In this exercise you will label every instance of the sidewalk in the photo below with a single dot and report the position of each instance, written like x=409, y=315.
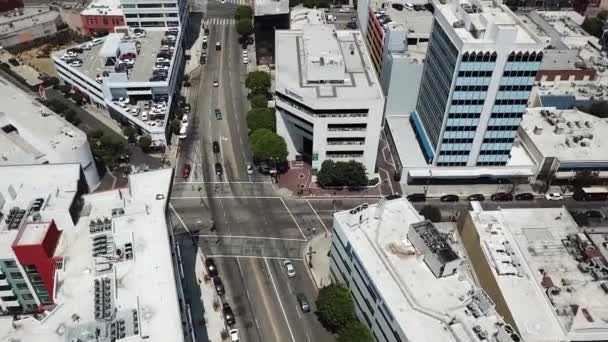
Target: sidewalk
x=213, y=317
x=319, y=246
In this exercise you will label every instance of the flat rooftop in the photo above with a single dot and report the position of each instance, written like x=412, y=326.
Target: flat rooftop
x=271, y=7
x=535, y=257
x=582, y=91
x=342, y=61
x=135, y=270
x=422, y=305
x=300, y=17
x=569, y=135
x=418, y=22
x=103, y=7
x=23, y=18
x=30, y=133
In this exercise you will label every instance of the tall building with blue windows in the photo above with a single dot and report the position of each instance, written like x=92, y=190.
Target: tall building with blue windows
x=479, y=70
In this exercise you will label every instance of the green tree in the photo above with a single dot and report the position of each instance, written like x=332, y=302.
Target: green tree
x=267, y=145
x=258, y=82
x=431, y=213
x=64, y=88
x=259, y=118
x=96, y=134
x=56, y=106
x=78, y=98
x=327, y=174
x=599, y=109
x=335, y=307
x=593, y=26
x=244, y=27
x=311, y=3
x=243, y=12
x=51, y=82
x=603, y=15
x=130, y=133
x=176, y=126
x=337, y=174
x=144, y=142
x=259, y=101
x=355, y=331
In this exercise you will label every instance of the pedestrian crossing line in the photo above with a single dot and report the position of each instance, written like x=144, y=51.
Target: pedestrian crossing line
x=236, y=2
x=219, y=22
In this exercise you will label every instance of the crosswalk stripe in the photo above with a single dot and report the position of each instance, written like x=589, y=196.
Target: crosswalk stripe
x=219, y=21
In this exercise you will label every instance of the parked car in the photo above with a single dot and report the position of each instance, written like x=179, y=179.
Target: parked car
x=449, y=198
x=228, y=314
x=186, y=171
x=218, y=169
x=219, y=286
x=554, y=196
x=476, y=197
x=216, y=147
x=502, y=197
x=76, y=63
x=249, y=169
x=303, y=302
x=218, y=46
x=291, y=271
x=216, y=83
x=526, y=196
x=187, y=108
x=594, y=214
x=234, y=335
x=211, y=268
x=218, y=114
x=418, y=197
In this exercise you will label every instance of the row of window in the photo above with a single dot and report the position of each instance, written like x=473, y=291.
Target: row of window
x=347, y=127
x=515, y=88
x=345, y=141
x=520, y=73
x=511, y=102
x=492, y=163
x=458, y=141
x=502, y=128
x=464, y=115
x=471, y=88
x=151, y=15
x=498, y=140
x=479, y=57
x=452, y=164
x=460, y=128
x=344, y=154
x=507, y=115
x=105, y=21
x=525, y=57
x=468, y=102
x=149, y=5
x=454, y=153
x=323, y=112
x=475, y=74
x=494, y=152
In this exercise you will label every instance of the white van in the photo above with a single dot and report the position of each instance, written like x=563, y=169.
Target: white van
x=408, y=6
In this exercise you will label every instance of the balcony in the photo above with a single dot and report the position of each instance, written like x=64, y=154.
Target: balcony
x=4, y=282
x=7, y=294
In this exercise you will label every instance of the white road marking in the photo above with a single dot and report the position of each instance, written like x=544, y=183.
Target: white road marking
x=390, y=184
x=251, y=257
x=279, y=299
x=292, y=217
x=234, y=197
x=317, y=215
x=247, y=292
x=249, y=237
x=298, y=312
x=178, y=217
x=307, y=337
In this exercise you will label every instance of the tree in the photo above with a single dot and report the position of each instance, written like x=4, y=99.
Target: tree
x=130, y=133
x=593, y=26
x=599, y=109
x=267, y=145
x=259, y=101
x=56, y=106
x=431, y=213
x=51, y=82
x=335, y=307
x=310, y=3
x=258, y=82
x=96, y=134
x=355, y=331
x=144, y=142
x=259, y=118
x=78, y=98
x=176, y=125
x=243, y=12
x=65, y=88
x=244, y=27
x=327, y=174
x=338, y=174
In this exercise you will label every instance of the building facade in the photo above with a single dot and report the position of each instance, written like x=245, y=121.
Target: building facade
x=480, y=68
x=155, y=13
x=101, y=17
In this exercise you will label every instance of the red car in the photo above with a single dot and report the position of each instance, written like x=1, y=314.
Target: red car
x=186, y=171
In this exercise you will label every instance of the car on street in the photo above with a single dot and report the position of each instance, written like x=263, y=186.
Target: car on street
x=228, y=314
x=502, y=197
x=218, y=46
x=187, y=108
x=204, y=39
x=206, y=31
x=216, y=83
x=245, y=53
x=218, y=114
x=526, y=196
x=203, y=60
x=234, y=335
x=211, y=268
x=291, y=271
x=554, y=196
x=249, y=169
x=76, y=63
x=219, y=286
x=218, y=169
x=264, y=168
x=476, y=197
x=186, y=171
x=245, y=60
x=216, y=147
x=344, y=10
x=303, y=302
x=449, y=198
x=418, y=197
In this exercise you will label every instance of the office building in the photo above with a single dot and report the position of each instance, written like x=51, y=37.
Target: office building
x=101, y=17
x=329, y=102
x=97, y=267
x=30, y=133
x=407, y=279
x=547, y=276
x=269, y=15
x=155, y=13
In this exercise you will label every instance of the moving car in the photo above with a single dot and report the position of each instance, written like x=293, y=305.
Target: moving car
x=245, y=60
x=249, y=169
x=449, y=198
x=502, y=197
x=216, y=83
x=234, y=335
x=291, y=271
x=303, y=302
x=218, y=114
x=216, y=147
x=186, y=171
x=476, y=197
x=526, y=196
x=76, y=63
x=419, y=197
x=228, y=314
x=218, y=169
x=554, y=196
x=211, y=268
x=218, y=46
x=187, y=108
x=219, y=286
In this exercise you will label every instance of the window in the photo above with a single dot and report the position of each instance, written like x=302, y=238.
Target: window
x=10, y=264
x=458, y=141
x=27, y=296
x=149, y=5
x=16, y=275
x=21, y=286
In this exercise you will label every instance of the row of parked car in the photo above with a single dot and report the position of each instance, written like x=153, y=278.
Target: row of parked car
x=497, y=197
x=221, y=290
x=160, y=71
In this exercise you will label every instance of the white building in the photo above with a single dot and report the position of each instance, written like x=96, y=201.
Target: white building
x=155, y=13
x=27, y=24
x=546, y=275
x=384, y=254
x=329, y=101
x=107, y=275
x=30, y=133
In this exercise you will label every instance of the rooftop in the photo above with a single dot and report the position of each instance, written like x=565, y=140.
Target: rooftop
x=332, y=68
x=103, y=7
x=417, y=22
x=30, y=133
x=119, y=253
x=23, y=18
x=271, y=7
x=592, y=90
x=544, y=267
x=301, y=17
x=569, y=135
x=426, y=308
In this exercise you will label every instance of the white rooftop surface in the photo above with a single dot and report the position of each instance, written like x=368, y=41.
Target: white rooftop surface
x=38, y=138
x=146, y=283
x=271, y=7
x=582, y=91
x=575, y=124
x=420, y=303
x=15, y=21
x=307, y=48
x=300, y=17
x=103, y=7
x=536, y=237
x=33, y=233
x=416, y=23
x=409, y=151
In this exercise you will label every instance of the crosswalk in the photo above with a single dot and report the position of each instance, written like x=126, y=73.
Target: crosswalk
x=219, y=22
x=236, y=2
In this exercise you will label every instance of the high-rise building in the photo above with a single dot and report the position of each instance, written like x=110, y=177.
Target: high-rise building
x=479, y=70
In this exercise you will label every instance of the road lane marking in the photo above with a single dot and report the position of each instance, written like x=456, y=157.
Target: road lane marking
x=298, y=311
x=251, y=257
x=317, y=215
x=248, y=296
x=249, y=237
x=228, y=197
x=292, y=217
x=276, y=291
x=225, y=175
x=178, y=217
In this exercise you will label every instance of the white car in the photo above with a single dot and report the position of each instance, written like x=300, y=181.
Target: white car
x=216, y=83
x=135, y=111
x=204, y=39
x=162, y=60
x=144, y=116
x=291, y=271
x=223, y=1
x=86, y=46
x=249, y=169
x=77, y=63
x=185, y=119
x=244, y=53
x=234, y=335
x=554, y=196
x=245, y=60
x=140, y=34
x=123, y=100
x=122, y=104
x=344, y=10
x=66, y=56
x=128, y=61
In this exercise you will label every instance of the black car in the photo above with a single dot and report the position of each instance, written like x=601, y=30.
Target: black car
x=216, y=147
x=203, y=60
x=218, y=169
x=476, y=197
x=211, y=268
x=75, y=50
x=204, y=45
x=244, y=45
x=264, y=168
x=228, y=314
x=206, y=31
x=594, y=214
x=449, y=198
x=502, y=197
x=219, y=286
x=187, y=108
x=526, y=196
x=218, y=114
x=419, y=197
x=351, y=25
x=303, y=302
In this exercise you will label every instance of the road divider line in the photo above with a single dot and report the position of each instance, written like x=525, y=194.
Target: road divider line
x=292, y=217
x=276, y=291
x=317, y=215
x=178, y=217
x=252, y=257
x=249, y=237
